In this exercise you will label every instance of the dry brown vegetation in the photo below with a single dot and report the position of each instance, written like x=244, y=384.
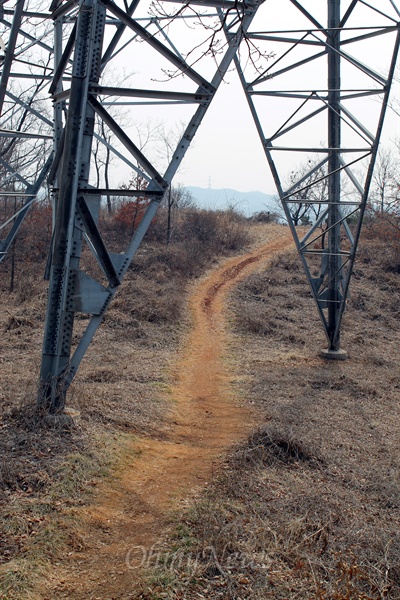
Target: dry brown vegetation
x=49, y=468
x=307, y=507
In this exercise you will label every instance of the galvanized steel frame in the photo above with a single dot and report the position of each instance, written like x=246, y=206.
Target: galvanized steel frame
x=71, y=290
x=330, y=289
x=77, y=92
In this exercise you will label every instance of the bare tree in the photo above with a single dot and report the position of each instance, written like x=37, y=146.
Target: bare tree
x=385, y=192
x=384, y=196
x=175, y=195
x=24, y=143
x=305, y=205
x=394, y=102
x=176, y=198
x=215, y=24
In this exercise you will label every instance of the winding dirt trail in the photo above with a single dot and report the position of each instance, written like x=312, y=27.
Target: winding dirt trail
x=160, y=475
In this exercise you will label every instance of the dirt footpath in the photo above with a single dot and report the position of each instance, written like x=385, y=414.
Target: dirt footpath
x=160, y=475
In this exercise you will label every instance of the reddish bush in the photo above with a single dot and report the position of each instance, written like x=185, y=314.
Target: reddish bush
x=129, y=214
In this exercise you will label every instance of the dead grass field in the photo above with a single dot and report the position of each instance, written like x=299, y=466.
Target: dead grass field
x=307, y=507
x=49, y=472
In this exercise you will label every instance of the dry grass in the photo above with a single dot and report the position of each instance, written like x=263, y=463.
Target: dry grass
x=309, y=506
x=48, y=468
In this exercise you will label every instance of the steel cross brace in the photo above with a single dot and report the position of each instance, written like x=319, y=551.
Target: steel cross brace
x=18, y=113
x=328, y=249
x=73, y=60
x=71, y=289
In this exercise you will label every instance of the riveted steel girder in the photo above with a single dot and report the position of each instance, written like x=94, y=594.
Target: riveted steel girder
x=77, y=83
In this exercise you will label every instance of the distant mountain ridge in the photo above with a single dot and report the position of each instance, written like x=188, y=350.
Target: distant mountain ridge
x=220, y=199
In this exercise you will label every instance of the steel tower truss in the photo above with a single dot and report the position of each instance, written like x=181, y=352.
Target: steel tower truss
x=91, y=40
x=318, y=98
x=76, y=54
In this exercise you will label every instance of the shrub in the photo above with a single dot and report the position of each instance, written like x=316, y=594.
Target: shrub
x=130, y=213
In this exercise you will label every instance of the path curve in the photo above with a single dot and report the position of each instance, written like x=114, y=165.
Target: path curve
x=160, y=475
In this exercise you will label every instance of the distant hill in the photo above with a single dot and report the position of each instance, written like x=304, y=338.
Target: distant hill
x=246, y=202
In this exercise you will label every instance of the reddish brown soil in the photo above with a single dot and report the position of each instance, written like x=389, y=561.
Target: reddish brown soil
x=132, y=511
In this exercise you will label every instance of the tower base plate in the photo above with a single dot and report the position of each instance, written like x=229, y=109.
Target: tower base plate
x=334, y=354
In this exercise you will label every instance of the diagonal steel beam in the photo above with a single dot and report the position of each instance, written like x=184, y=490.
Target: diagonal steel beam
x=9, y=55
x=71, y=289
x=330, y=287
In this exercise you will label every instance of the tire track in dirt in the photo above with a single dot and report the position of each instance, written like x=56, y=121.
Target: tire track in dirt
x=157, y=478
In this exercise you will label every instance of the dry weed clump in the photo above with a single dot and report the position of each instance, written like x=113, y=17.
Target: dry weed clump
x=35, y=486
x=384, y=243
x=269, y=447
x=278, y=525
x=221, y=231
x=309, y=507
x=48, y=468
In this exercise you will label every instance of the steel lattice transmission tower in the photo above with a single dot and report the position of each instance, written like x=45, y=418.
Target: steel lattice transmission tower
x=320, y=99
x=75, y=53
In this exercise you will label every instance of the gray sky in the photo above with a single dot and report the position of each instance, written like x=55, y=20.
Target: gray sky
x=227, y=151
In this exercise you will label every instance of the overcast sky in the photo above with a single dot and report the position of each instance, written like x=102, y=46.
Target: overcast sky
x=227, y=152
